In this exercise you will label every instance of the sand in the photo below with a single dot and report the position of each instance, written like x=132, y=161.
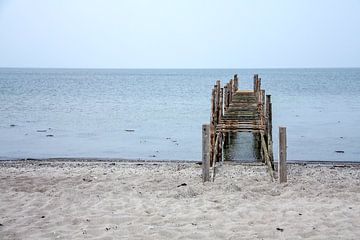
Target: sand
x=124, y=200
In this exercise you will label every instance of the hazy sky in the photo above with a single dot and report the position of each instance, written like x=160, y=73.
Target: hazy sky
x=179, y=33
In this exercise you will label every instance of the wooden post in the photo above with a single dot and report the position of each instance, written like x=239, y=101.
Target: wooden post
x=220, y=157
x=221, y=103
x=266, y=155
x=206, y=152
x=230, y=91
x=262, y=94
x=255, y=82
x=217, y=102
x=236, y=82
x=212, y=125
x=225, y=98
x=269, y=128
x=282, y=155
x=259, y=84
x=215, y=156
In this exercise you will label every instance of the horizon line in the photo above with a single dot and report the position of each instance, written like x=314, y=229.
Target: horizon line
x=175, y=68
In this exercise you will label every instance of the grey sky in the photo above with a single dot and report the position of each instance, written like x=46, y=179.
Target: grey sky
x=179, y=33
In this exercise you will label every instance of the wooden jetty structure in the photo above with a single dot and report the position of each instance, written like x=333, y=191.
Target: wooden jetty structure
x=237, y=110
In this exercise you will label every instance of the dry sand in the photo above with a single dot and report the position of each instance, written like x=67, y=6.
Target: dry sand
x=89, y=200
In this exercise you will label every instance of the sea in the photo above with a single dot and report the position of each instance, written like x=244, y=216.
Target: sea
x=157, y=114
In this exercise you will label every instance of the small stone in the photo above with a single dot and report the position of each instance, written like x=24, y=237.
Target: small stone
x=12, y=125
x=129, y=130
x=42, y=216
x=280, y=229
x=182, y=185
x=340, y=151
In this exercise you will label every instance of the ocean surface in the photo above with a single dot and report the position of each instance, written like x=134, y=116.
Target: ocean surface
x=157, y=114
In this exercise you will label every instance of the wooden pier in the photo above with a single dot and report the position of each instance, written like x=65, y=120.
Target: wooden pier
x=237, y=110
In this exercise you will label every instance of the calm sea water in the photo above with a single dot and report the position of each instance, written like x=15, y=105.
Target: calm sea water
x=87, y=112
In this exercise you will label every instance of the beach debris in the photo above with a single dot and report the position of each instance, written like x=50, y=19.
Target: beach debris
x=300, y=214
x=152, y=155
x=112, y=164
x=340, y=151
x=42, y=216
x=12, y=125
x=280, y=229
x=129, y=130
x=87, y=180
x=194, y=224
x=182, y=185
x=107, y=228
x=49, y=135
x=341, y=137
x=168, y=138
x=1, y=225
x=41, y=130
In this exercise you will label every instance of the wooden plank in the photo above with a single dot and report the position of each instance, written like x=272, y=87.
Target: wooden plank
x=282, y=155
x=206, y=152
x=266, y=155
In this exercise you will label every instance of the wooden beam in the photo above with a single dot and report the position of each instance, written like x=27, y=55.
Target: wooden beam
x=206, y=152
x=212, y=125
x=215, y=157
x=236, y=82
x=282, y=155
x=266, y=155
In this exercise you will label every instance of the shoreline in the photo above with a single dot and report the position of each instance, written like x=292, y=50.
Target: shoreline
x=168, y=200
x=126, y=160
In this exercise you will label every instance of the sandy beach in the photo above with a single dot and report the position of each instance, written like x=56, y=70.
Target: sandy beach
x=152, y=200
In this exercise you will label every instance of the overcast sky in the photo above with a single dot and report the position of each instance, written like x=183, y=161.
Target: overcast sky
x=179, y=33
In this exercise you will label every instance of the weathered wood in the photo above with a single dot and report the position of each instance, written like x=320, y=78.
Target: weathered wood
x=212, y=125
x=221, y=103
x=215, y=157
x=282, y=155
x=266, y=156
x=255, y=82
x=220, y=157
x=225, y=98
x=269, y=128
x=236, y=82
x=206, y=152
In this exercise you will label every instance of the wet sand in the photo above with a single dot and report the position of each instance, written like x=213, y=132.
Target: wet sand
x=129, y=200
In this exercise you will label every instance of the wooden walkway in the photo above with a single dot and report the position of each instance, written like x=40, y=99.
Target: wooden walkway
x=235, y=110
